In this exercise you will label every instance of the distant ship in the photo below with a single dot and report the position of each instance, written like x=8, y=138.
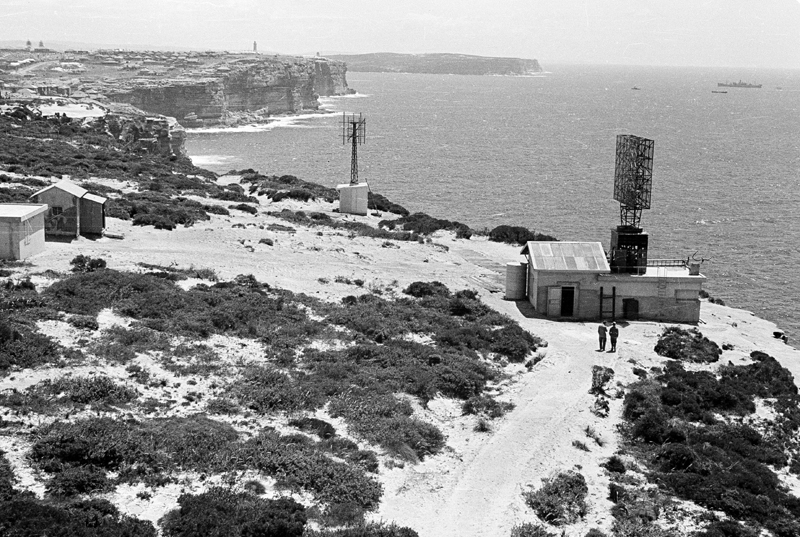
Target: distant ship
x=635, y=88
x=739, y=84
x=717, y=91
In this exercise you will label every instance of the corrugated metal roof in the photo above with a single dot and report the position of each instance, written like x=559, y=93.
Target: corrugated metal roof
x=567, y=256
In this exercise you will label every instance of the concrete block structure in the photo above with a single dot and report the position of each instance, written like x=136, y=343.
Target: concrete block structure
x=573, y=280
x=353, y=198
x=21, y=230
x=72, y=210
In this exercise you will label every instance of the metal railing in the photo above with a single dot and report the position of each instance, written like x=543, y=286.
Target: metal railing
x=666, y=262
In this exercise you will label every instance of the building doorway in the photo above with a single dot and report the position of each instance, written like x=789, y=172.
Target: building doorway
x=567, y=301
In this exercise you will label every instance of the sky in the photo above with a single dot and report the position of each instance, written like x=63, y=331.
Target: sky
x=715, y=33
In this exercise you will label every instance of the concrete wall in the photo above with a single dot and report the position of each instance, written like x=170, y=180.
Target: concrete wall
x=20, y=240
x=65, y=223
x=586, y=303
x=672, y=299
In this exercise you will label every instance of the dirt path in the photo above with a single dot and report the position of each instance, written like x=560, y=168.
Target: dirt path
x=483, y=496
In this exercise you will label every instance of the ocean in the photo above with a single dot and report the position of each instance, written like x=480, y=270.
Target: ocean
x=539, y=152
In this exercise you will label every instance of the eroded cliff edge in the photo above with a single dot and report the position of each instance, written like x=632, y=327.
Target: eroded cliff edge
x=244, y=89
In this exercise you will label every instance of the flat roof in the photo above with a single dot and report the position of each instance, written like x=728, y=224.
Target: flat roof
x=567, y=256
x=21, y=211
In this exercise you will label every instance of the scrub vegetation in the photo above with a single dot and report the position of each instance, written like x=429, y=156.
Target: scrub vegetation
x=371, y=372
x=696, y=436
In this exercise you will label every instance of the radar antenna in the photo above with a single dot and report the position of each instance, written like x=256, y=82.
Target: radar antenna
x=633, y=181
x=633, y=177
x=354, y=130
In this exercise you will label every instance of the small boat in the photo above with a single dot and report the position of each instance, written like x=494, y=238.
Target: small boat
x=635, y=88
x=717, y=91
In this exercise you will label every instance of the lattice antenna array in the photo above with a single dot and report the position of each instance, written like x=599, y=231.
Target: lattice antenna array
x=354, y=131
x=633, y=177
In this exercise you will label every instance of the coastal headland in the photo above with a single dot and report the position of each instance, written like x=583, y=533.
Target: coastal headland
x=444, y=64
x=197, y=88
x=235, y=345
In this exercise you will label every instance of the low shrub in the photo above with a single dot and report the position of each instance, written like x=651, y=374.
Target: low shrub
x=83, y=263
x=343, y=514
x=321, y=428
x=517, y=235
x=84, y=322
x=561, y=500
x=687, y=345
x=600, y=377
x=527, y=529
x=380, y=203
x=728, y=528
x=423, y=289
x=371, y=529
x=50, y=394
x=614, y=465
x=79, y=480
x=423, y=224
x=481, y=404
x=25, y=516
x=299, y=194
x=27, y=349
x=7, y=479
x=223, y=512
x=383, y=420
x=216, y=209
x=244, y=208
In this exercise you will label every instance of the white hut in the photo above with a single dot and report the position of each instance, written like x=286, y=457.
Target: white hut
x=21, y=230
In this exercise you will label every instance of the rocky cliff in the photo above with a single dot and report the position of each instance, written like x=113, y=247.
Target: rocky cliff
x=267, y=86
x=446, y=64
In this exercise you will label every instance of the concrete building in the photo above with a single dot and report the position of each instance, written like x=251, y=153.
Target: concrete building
x=73, y=210
x=21, y=230
x=573, y=280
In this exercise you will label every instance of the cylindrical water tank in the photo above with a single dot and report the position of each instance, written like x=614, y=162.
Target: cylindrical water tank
x=516, y=280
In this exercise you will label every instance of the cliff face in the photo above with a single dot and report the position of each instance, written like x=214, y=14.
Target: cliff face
x=145, y=133
x=268, y=85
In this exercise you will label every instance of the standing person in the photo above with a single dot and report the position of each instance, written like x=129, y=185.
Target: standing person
x=613, y=334
x=601, y=332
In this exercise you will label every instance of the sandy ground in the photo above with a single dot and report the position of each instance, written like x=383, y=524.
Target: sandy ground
x=473, y=488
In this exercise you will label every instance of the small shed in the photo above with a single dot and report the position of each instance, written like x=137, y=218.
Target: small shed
x=73, y=210
x=563, y=275
x=21, y=230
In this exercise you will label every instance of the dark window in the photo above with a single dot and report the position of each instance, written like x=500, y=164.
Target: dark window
x=55, y=211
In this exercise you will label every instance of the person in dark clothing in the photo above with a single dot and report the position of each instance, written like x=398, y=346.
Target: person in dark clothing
x=613, y=333
x=601, y=332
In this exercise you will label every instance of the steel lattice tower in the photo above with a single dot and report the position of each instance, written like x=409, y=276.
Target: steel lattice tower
x=354, y=130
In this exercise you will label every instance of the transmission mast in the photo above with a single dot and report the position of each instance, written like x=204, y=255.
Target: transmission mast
x=354, y=131
x=353, y=197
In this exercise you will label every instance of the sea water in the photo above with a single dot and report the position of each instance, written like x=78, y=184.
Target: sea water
x=539, y=152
